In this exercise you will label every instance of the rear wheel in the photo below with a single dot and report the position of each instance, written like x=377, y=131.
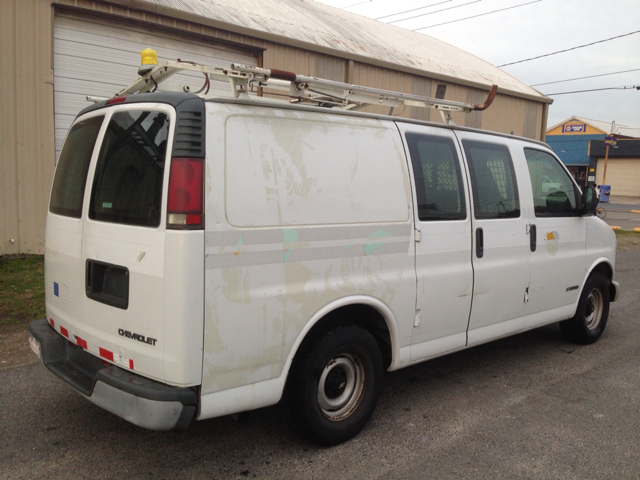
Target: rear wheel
x=334, y=387
x=593, y=311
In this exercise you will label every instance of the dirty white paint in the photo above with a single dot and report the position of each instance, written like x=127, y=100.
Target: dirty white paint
x=305, y=210
x=294, y=170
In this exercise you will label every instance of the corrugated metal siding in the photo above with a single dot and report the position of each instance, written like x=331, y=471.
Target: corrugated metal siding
x=26, y=91
x=474, y=119
x=153, y=18
x=319, y=27
x=26, y=153
x=114, y=60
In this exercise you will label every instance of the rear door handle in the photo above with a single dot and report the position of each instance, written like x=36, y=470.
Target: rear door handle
x=479, y=243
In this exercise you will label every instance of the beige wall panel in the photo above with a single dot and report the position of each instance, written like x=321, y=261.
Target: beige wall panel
x=505, y=115
x=474, y=119
x=623, y=174
x=531, y=122
x=8, y=132
x=27, y=161
x=421, y=86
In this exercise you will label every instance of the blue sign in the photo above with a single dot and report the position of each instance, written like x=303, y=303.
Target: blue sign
x=582, y=128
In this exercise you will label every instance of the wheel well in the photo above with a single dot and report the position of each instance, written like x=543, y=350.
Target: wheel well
x=363, y=316
x=604, y=269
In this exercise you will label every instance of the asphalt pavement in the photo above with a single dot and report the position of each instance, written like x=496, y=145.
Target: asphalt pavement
x=623, y=212
x=529, y=406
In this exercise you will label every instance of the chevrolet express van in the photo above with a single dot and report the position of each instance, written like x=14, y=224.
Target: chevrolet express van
x=206, y=257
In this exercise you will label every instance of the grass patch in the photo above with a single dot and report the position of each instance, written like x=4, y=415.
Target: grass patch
x=21, y=289
x=627, y=239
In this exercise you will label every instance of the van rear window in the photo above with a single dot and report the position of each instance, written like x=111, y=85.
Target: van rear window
x=71, y=174
x=127, y=186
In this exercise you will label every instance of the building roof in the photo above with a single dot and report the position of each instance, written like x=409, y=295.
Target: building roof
x=572, y=149
x=609, y=128
x=315, y=26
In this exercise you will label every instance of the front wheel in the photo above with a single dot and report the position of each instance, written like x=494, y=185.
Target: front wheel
x=334, y=387
x=592, y=313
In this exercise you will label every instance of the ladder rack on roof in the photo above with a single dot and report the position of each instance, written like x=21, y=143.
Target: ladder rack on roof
x=300, y=88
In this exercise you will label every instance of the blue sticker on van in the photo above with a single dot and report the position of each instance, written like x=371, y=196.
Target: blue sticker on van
x=56, y=289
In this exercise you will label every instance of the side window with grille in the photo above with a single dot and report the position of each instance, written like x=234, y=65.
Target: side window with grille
x=493, y=180
x=438, y=177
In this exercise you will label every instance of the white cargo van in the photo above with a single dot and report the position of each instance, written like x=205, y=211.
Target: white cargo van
x=209, y=256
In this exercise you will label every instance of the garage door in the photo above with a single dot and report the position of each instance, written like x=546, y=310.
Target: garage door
x=99, y=59
x=623, y=174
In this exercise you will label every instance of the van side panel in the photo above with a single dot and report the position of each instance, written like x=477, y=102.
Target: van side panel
x=303, y=209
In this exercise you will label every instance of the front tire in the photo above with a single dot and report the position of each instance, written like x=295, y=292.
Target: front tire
x=592, y=314
x=334, y=386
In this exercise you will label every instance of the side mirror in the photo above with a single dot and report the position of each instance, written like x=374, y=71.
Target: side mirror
x=589, y=201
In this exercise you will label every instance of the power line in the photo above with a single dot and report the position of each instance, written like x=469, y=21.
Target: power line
x=436, y=11
x=480, y=15
x=569, y=49
x=359, y=3
x=630, y=87
x=412, y=10
x=582, y=78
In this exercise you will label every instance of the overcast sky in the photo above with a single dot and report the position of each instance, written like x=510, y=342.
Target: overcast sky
x=541, y=27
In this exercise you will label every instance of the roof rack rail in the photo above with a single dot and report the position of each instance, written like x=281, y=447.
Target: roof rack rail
x=300, y=88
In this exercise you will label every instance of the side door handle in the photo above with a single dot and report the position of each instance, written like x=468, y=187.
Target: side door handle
x=532, y=237
x=479, y=243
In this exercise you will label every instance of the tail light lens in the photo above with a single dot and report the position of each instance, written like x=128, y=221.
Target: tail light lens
x=185, y=203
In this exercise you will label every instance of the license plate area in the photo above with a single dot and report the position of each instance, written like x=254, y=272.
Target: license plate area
x=107, y=283
x=35, y=346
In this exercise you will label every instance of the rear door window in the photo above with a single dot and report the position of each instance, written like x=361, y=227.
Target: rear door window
x=493, y=180
x=438, y=177
x=127, y=186
x=67, y=193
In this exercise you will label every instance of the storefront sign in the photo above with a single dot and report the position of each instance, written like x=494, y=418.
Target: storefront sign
x=581, y=128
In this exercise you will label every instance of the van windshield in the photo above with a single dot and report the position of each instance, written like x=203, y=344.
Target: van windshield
x=127, y=186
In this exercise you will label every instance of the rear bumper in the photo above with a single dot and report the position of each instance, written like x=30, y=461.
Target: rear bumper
x=139, y=400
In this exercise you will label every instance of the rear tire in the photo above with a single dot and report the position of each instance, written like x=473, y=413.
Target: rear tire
x=334, y=386
x=592, y=314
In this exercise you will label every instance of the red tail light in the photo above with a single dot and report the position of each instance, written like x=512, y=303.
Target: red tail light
x=185, y=203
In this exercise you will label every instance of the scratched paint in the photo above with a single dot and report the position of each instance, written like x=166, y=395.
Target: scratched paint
x=552, y=242
x=371, y=248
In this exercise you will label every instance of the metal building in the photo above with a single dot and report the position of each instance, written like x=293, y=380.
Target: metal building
x=572, y=141
x=56, y=52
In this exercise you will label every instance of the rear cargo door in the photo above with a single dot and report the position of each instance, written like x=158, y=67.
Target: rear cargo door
x=501, y=243
x=443, y=252
x=123, y=239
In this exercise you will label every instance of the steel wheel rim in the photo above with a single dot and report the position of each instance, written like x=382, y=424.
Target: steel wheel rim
x=593, y=309
x=341, y=386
